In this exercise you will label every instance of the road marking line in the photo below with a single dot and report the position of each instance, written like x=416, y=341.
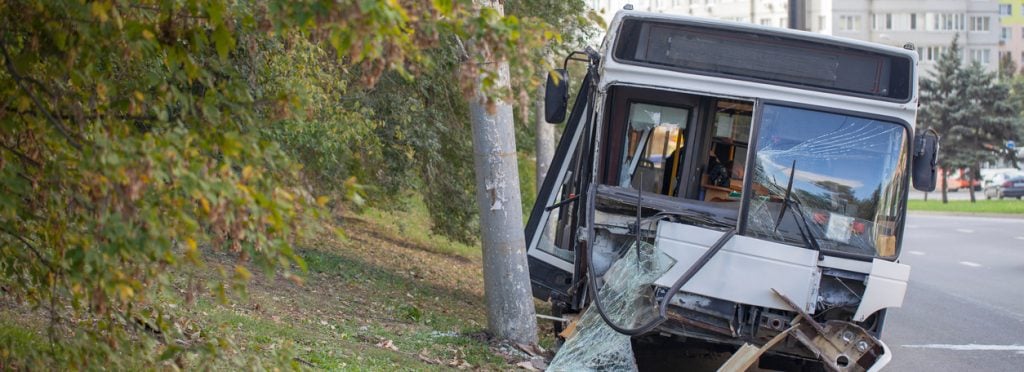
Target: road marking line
x=970, y=347
x=916, y=253
x=965, y=231
x=969, y=263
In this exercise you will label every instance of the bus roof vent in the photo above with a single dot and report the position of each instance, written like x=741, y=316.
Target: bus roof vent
x=627, y=7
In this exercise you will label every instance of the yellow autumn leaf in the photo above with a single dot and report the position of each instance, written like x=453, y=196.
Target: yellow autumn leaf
x=246, y=172
x=191, y=244
x=242, y=272
x=125, y=292
x=322, y=200
x=148, y=34
x=286, y=195
x=24, y=103
x=99, y=11
x=205, y=203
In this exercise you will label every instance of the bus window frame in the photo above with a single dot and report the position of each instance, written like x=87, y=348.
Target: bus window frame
x=756, y=121
x=631, y=94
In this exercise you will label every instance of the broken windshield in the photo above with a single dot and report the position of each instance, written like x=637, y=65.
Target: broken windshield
x=848, y=180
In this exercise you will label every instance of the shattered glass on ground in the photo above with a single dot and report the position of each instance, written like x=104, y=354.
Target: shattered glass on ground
x=627, y=298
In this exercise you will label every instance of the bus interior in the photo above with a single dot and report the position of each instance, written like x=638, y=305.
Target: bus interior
x=677, y=145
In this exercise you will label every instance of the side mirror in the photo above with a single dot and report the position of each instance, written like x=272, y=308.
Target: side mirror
x=556, y=96
x=924, y=166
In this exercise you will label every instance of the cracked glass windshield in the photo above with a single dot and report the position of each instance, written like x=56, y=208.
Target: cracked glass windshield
x=846, y=188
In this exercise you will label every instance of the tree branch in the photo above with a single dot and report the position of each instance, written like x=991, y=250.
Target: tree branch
x=20, y=81
x=29, y=245
x=21, y=155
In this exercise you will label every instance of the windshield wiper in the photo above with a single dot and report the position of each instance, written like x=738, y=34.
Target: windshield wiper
x=801, y=223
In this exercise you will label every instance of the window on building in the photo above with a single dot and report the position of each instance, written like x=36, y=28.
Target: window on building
x=849, y=22
x=913, y=21
x=934, y=53
x=979, y=23
x=822, y=22
x=765, y=22
x=1005, y=9
x=783, y=22
x=980, y=56
x=945, y=22
x=1006, y=34
x=882, y=21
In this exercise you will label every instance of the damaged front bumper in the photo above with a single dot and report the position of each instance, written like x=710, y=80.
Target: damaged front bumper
x=840, y=346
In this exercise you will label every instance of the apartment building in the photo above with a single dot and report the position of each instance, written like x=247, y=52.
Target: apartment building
x=1011, y=31
x=929, y=25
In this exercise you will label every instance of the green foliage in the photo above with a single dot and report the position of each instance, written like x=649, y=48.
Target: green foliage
x=136, y=132
x=973, y=113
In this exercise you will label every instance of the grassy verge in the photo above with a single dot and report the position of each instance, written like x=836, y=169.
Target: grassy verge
x=1009, y=206
x=387, y=296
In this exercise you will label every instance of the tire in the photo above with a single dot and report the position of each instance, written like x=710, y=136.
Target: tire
x=988, y=197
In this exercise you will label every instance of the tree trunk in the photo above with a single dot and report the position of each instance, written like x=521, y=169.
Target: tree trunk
x=945, y=191
x=510, y=311
x=545, y=140
x=970, y=183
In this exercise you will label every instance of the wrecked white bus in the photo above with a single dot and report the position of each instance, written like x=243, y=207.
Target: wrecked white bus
x=770, y=166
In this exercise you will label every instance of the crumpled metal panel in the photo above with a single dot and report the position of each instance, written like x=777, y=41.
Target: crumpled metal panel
x=744, y=271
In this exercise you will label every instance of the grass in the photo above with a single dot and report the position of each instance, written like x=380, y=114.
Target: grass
x=387, y=296
x=1007, y=206
x=411, y=224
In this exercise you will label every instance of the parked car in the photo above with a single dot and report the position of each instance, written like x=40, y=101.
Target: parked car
x=987, y=174
x=1010, y=187
x=957, y=181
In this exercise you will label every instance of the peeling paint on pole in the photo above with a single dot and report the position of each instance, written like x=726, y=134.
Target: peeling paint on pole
x=510, y=311
x=545, y=139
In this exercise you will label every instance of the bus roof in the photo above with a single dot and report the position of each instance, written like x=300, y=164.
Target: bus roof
x=763, y=77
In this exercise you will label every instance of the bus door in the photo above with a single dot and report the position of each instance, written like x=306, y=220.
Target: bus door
x=552, y=227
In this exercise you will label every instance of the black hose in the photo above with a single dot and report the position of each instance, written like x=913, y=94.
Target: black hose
x=692, y=271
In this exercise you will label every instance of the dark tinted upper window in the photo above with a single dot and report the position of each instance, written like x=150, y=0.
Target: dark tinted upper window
x=755, y=55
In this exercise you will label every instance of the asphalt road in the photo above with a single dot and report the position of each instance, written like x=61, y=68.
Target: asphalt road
x=964, y=309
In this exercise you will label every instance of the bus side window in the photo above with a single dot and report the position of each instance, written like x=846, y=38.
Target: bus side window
x=722, y=179
x=654, y=146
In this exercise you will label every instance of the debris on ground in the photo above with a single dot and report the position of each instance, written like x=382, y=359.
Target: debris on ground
x=627, y=298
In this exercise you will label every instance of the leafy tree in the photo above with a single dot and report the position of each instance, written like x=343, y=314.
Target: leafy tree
x=1007, y=68
x=940, y=99
x=987, y=121
x=136, y=134
x=974, y=113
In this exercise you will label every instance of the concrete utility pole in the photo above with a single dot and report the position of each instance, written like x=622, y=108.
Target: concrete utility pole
x=510, y=311
x=545, y=139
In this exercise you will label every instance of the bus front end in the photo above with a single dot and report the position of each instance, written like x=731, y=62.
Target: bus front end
x=762, y=176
